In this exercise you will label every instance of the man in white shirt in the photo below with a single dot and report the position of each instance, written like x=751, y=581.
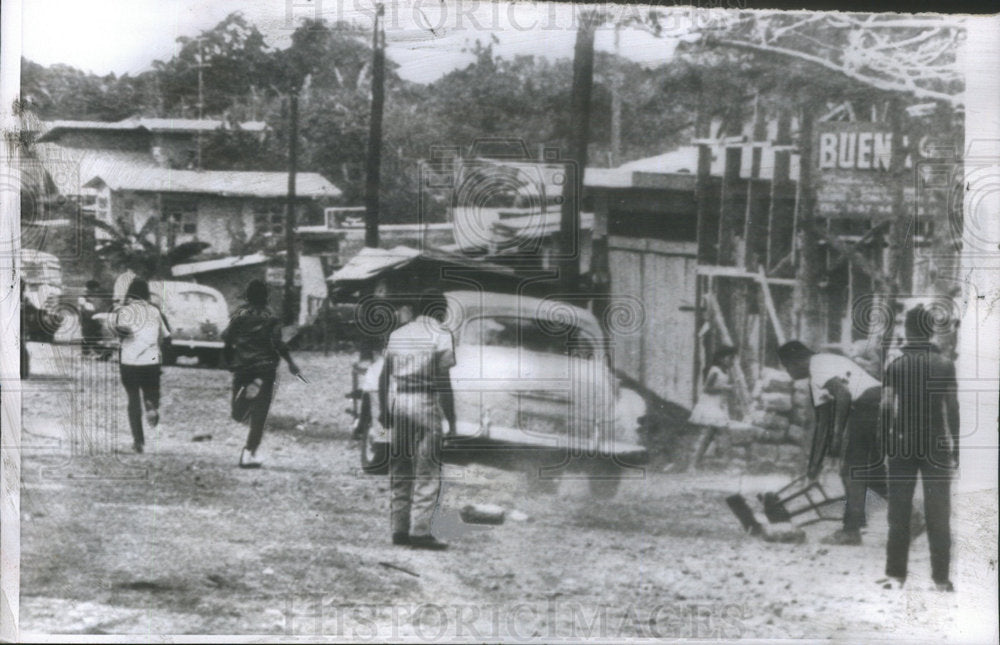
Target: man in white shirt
x=847, y=401
x=142, y=329
x=417, y=387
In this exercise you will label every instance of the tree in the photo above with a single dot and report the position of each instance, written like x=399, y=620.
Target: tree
x=128, y=247
x=64, y=92
x=235, y=61
x=915, y=55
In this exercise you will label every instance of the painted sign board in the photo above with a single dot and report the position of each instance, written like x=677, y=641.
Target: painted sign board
x=851, y=163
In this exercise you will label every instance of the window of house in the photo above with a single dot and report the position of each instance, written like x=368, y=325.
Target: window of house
x=92, y=203
x=181, y=215
x=269, y=217
x=128, y=209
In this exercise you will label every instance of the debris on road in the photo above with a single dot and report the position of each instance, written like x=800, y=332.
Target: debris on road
x=482, y=514
x=783, y=533
x=389, y=565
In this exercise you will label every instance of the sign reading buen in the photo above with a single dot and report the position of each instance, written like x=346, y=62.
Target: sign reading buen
x=855, y=150
x=852, y=162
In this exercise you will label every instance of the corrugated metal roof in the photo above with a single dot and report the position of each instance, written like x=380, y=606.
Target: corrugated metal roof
x=537, y=225
x=237, y=183
x=192, y=268
x=70, y=168
x=193, y=125
x=682, y=162
x=369, y=262
x=54, y=128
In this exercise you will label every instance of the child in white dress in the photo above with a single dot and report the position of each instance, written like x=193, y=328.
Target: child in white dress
x=712, y=410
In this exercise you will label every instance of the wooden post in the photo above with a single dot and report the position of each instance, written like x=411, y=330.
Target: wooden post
x=780, y=237
x=808, y=305
x=706, y=217
x=290, y=302
x=754, y=247
x=583, y=82
x=732, y=297
x=900, y=269
x=731, y=213
x=374, y=157
x=616, y=103
x=772, y=312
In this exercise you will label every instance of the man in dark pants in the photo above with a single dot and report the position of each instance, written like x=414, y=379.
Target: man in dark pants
x=920, y=408
x=847, y=399
x=416, y=385
x=143, y=331
x=253, y=348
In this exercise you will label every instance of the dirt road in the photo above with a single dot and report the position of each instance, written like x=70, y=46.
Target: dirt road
x=181, y=541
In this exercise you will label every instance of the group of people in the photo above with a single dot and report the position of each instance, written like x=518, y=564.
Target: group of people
x=883, y=433
x=253, y=348
x=415, y=390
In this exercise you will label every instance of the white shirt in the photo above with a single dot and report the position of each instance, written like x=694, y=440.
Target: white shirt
x=145, y=327
x=823, y=367
x=414, y=347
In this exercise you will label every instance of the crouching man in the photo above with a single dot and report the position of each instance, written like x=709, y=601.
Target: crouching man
x=415, y=395
x=847, y=401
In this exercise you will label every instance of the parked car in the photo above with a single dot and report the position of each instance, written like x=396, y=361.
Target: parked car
x=533, y=388
x=197, y=316
x=41, y=275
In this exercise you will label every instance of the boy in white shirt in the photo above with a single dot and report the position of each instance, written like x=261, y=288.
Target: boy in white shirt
x=141, y=328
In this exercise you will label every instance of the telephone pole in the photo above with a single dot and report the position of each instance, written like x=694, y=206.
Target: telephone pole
x=583, y=83
x=289, y=307
x=201, y=98
x=616, y=102
x=374, y=159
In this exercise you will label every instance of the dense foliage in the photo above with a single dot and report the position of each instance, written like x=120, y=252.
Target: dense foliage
x=524, y=97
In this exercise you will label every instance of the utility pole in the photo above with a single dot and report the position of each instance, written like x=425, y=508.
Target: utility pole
x=583, y=83
x=808, y=305
x=289, y=306
x=201, y=98
x=374, y=159
x=616, y=103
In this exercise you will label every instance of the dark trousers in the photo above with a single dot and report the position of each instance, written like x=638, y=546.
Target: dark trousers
x=90, y=333
x=937, y=509
x=253, y=411
x=863, y=467
x=142, y=384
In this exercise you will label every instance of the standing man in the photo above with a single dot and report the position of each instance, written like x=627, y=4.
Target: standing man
x=846, y=399
x=920, y=406
x=416, y=385
x=142, y=329
x=253, y=348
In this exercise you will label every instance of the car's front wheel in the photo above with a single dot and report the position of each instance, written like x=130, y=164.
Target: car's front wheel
x=374, y=454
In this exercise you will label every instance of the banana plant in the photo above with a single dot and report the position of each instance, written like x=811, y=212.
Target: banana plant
x=127, y=246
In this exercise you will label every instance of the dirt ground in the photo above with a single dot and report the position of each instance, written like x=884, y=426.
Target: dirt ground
x=180, y=541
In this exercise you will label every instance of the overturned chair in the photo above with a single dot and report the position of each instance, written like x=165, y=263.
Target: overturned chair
x=804, y=494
